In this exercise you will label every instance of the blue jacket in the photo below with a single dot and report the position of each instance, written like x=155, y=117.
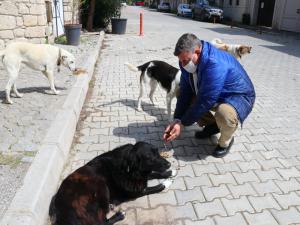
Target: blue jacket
x=221, y=79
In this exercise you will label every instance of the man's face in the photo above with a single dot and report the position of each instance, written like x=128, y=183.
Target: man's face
x=186, y=56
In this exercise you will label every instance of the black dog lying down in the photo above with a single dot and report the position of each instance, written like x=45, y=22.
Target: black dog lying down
x=115, y=176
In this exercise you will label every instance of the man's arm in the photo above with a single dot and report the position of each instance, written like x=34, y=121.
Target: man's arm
x=212, y=82
x=185, y=96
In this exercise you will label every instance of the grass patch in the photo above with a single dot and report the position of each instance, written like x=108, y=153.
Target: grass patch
x=62, y=40
x=11, y=160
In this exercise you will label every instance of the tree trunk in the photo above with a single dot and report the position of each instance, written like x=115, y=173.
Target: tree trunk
x=91, y=15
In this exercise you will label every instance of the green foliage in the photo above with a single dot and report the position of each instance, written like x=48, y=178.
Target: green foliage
x=62, y=40
x=104, y=11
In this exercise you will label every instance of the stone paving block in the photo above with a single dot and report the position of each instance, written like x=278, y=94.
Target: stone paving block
x=287, y=217
x=236, y=219
x=233, y=156
x=263, y=218
x=204, y=169
x=245, y=177
x=180, y=212
x=222, y=179
x=233, y=206
x=270, y=164
x=186, y=171
x=162, y=198
x=178, y=184
x=248, y=156
x=265, y=175
x=188, y=160
x=250, y=165
x=263, y=202
x=141, y=202
x=206, y=209
x=287, y=200
x=272, y=154
x=241, y=190
x=192, y=195
x=266, y=187
x=293, y=161
x=202, y=180
x=287, y=186
x=211, y=193
x=207, y=221
x=145, y=216
x=228, y=167
x=289, y=173
x=102, y=131
x=239, y=147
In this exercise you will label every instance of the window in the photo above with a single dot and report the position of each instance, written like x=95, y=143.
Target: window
x=237, y=2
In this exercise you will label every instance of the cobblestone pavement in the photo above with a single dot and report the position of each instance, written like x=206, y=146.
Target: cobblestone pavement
x=256, y=184
x=24, y=124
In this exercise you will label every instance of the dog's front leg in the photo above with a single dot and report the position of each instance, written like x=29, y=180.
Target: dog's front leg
x=163, y=175
x=157, y=188
x=15, y=90
x=169, y=101
x=49, y=75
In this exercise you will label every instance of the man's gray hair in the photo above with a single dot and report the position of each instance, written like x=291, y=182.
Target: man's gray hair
x=187, y=42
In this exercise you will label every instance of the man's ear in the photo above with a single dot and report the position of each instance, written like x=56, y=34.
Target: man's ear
x=197, y=51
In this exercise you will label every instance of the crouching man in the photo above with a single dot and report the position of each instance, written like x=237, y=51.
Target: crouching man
x=215, y=92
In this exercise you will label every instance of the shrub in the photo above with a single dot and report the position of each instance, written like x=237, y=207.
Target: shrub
x=104, y=11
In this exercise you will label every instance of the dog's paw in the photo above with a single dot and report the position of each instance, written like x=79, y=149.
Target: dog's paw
x=19, y=95
x=56, y=92
x=174, y=173
x=8, y=101
x=167, y=183
x=139, y=109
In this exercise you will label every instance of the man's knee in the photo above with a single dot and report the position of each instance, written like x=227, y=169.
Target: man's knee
x=226, y=116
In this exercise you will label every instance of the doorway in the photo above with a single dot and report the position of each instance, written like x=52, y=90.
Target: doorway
x=265, y=12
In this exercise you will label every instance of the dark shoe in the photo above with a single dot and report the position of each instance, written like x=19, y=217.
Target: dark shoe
x=208, y=131
x=220, y=151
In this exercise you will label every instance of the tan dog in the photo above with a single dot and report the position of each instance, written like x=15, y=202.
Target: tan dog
x=42, y=57
x=236, y=50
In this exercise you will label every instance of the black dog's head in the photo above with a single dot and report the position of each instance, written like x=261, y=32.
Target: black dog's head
x=142, y=158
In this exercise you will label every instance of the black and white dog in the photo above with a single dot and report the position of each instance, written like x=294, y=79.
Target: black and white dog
x=158, y=72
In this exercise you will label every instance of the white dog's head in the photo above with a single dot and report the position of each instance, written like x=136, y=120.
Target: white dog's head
x=68, y=60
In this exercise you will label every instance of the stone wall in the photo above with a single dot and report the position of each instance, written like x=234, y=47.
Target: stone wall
x=23, y=19
x=68, y=6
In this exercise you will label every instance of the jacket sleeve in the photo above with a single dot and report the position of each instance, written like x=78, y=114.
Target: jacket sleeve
x=185, y=95
x=211, y=85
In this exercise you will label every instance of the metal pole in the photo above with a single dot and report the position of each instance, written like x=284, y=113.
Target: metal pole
x=55, y=8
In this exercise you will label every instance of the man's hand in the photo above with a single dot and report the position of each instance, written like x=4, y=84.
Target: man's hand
x=173, y=131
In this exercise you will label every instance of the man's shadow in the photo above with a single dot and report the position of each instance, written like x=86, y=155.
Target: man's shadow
x=186, y=146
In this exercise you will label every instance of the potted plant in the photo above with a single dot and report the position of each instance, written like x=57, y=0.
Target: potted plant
x=118, y=24
x=73, y=29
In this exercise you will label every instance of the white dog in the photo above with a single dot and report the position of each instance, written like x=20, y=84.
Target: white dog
x=236, y=50
x=42, y=57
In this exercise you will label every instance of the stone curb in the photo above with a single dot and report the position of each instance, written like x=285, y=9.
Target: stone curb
x=31, y=203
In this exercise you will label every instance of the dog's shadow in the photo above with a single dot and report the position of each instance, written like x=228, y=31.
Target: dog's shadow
x=186, y=147
x=149, y=108
x=42, y=90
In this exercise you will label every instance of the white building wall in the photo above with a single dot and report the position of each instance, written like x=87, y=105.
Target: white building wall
x=234, y=11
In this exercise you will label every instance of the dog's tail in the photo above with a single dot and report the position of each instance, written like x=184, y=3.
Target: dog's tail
x=217, y=41
x=132, y=67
